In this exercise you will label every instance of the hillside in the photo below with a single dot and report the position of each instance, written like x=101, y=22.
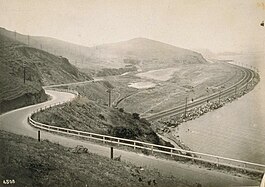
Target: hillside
x=111, y=59
x=83, y=114
x=32, y=163
x=75, y=53
x=41, y=68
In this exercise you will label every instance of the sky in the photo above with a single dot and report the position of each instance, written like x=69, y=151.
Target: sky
x=217, y=25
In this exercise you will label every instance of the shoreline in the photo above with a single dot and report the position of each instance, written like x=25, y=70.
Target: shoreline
x=170, y=130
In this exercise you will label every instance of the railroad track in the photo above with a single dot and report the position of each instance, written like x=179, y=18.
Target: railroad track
x=247, y=76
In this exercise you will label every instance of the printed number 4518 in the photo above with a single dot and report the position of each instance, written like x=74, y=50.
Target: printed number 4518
x=7, y=181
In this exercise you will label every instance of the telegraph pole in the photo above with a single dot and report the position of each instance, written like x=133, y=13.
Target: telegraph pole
x=220, y=97
x=109, y=91
x=24, y=72
x=186, y=104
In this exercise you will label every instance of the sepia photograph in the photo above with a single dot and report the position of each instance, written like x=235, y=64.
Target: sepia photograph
x=132, y=93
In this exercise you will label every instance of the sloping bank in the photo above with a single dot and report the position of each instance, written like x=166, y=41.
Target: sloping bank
x=85, y=115
x=31, y=163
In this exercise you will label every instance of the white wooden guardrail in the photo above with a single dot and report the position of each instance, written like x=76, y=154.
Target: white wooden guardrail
x=154, y=148
x=262, y=184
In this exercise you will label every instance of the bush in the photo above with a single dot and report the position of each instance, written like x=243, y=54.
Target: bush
x=121, y=109
x=124, y=132
x=101, y=116
x=136, y=116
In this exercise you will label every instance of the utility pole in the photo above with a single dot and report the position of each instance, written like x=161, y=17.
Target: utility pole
x=109, y=91
x=220, y=97
x=186, y=104
x=24, y=72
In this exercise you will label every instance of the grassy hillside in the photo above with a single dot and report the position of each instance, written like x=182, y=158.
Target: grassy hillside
x=83, y=114
x=146, y=53
x=40, y=67
x=32, y=163
x=75, y=53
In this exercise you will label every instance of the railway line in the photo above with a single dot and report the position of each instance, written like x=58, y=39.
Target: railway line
x=247, y=76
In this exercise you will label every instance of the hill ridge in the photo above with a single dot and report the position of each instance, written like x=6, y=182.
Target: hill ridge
x=141, y=53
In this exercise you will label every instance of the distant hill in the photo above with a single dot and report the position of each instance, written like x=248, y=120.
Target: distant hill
x=41, y=68
x=143, y=48
x=145, y=53
x=76, y=54
x=139, y=52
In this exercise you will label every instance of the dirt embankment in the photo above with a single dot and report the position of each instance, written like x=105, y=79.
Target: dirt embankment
x=24, y=100
x=30, y=163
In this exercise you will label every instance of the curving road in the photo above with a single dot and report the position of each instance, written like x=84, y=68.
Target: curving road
x=16, y=122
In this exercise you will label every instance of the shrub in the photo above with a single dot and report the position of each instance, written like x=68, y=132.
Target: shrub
x=124, y=132
x=101, y=116
x=136, y=116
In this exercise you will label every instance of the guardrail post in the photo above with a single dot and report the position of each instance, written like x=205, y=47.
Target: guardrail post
x=217, y=162
x=134, y=145
x=171, y=151
x=39, y=135
x=262, y=181
x=244, y=167
x=118, y=142
x=111, y=153
x=103, y=139
x=152, y=149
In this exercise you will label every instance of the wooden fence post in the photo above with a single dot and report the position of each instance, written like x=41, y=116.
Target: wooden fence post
x=111, y=153
x=39, y=135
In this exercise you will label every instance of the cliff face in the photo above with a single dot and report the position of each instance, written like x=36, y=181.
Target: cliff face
x=23, y=100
